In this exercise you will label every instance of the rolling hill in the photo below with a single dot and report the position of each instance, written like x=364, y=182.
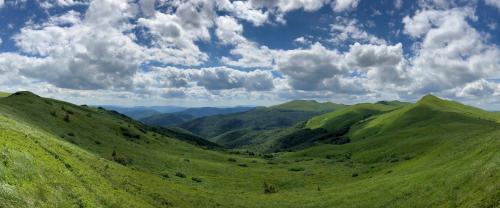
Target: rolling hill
x=252, y=127
x=55, y=154
x=140, y=112
x=308, y=105
x=433, y=141
x=434, y=153
x=211, y=111
x=169, y=119
x=329, y=128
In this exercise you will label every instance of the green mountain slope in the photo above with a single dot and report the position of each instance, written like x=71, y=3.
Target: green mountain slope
x=411, y=148
x=252, y=128
x=39, y=170
x=429, y=111
x=327, y=128
x=140, y=114
x=186, y=136
x=55, y=154
x=346, y=117
x=211, y=111
x=167, y=119
x=170, y=119
x=434, y=153
x=92, y=127
x=4, y=94
x=308, y=105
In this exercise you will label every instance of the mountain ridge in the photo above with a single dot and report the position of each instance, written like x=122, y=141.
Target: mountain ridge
x=170, y=119
x=308, y=105
x=234, y=130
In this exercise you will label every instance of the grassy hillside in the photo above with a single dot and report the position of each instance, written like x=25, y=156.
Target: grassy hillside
x=434, y=153
x=186, y=136
x=259, y=119
x=210, y=111
x=167, y=119
x=309, y=105
x=60, y=155
x=430, y=111
x=39, y=170
x=140, y=112
x=55, y=154
x=346, y=117
x=253, y=128
x=170, y=119
x=329, y=128
x=411, y=148
x=4, y=94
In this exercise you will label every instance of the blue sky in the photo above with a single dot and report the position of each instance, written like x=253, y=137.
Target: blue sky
x=224, y=53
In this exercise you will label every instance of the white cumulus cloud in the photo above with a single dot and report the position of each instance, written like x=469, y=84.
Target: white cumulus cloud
x=343, y=5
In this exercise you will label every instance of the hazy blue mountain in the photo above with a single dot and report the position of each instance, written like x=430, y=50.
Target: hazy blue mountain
x=168, y=119
x=254, y=127
x=140, y=112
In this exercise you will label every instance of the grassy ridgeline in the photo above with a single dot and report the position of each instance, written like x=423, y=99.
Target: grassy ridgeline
x=434, y=153
x=258, y=128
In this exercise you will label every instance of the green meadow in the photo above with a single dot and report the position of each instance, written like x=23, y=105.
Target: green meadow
x=433, y=153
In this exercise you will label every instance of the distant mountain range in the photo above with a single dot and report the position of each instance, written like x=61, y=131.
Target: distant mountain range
x=168, y=119
x=140, y=112
x=252, y=127
x=168, y=115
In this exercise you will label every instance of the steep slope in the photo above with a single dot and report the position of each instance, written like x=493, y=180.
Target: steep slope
x=344, y=118
x=331, y=127
x=39, y=170
x=251, y=128
x=169, y=119
x=92, y=127
x=55, y=154
x=408, y=150
x=429, y=111
x=186, y=136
